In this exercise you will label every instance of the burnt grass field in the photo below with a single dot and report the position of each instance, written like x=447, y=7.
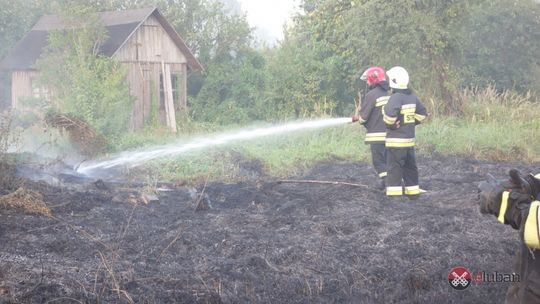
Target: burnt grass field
x=261, y=241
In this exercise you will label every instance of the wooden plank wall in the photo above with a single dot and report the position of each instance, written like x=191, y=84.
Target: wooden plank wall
x=139, y=79
x=144, y=83
x=143, y=53
x=150, y=43
x=21, y=85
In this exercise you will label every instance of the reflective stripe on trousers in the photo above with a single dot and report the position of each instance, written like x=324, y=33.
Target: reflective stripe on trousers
x=401, y=167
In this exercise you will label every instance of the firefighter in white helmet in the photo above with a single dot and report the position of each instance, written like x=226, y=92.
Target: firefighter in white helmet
x=401, y=114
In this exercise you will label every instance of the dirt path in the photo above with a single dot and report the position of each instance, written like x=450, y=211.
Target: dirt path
x=262, y=242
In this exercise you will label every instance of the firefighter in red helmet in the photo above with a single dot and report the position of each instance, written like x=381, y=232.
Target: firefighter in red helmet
x=372, y=119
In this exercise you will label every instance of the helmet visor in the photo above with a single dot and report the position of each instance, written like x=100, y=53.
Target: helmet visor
x=364, y=76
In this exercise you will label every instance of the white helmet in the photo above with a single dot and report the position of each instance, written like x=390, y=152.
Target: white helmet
x=398, y=78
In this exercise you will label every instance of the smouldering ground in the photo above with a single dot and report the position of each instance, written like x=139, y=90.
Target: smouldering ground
x=262, y=242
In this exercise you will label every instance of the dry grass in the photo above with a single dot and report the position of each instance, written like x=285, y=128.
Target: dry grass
x=24, y=200
x=489, y=104
x=82, y=135
x=116, y=286
x=5, y=131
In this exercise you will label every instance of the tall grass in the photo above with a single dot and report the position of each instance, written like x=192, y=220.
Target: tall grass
x=495, y=125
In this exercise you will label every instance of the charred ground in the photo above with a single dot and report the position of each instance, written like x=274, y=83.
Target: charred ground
x=260, y=242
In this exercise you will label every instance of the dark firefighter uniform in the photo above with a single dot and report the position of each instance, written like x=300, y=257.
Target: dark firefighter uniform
x=522, y=212
x=372, y=119
x=401, y=114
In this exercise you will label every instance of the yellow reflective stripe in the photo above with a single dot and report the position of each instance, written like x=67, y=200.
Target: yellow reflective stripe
x=376, y=136
x=394, y=191
x=504, y=206
x=399, y=142
x=412, y=190
x=537, y=176
x=383, y=174
x=389, y=120
x=419, y=117
x=399, y=145
x=531, y=231
x=408, y=111
x=381, y=101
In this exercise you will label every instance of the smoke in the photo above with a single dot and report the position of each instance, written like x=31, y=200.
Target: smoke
x=44, y=145
x=46, y=155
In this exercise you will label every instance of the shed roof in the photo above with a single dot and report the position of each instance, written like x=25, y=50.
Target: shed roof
x=120, y=26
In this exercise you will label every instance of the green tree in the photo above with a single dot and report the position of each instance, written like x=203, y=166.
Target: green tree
x=233, y=91
x=16, y=18
x=300, y=80
x=500, y=45
x=445, y=45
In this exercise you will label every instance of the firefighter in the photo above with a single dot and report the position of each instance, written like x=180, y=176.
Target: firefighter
x=401, y=114
x=372, y=119
x=517, y=203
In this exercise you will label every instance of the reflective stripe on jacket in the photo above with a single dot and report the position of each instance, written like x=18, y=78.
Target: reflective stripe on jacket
x=531, y=230
x=371, y=113
x=401, y=114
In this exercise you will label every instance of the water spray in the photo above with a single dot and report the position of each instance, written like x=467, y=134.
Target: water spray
x=137, y=158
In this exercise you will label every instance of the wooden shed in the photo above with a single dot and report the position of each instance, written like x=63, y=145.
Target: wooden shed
x=142, y=39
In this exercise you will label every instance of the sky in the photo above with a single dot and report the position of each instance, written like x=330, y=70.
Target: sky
x=269, y=15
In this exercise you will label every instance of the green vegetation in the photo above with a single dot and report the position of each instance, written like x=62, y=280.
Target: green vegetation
x=495, y=126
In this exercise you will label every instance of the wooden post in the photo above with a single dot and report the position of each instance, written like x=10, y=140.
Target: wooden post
x=142, y=96
x=169, y=103
x=183, y=94
x=170, y=100
x=164, y=83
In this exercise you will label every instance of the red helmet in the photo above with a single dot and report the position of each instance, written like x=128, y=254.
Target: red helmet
x=373, y=75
